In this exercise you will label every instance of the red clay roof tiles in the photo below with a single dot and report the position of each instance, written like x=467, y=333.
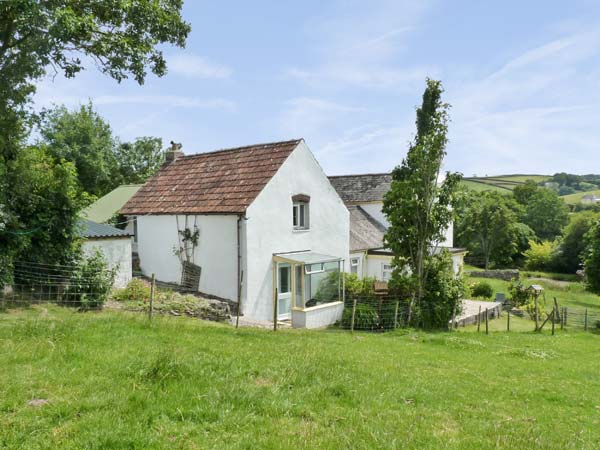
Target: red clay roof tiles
x=221, y=182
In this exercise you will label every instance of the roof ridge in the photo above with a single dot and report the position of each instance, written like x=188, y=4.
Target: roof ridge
x=244, y=147
x=359, y=175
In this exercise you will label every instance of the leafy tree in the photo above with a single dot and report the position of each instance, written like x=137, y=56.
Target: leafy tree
x=592, y=258
x=546, y=213
x=418, y=209
x=540, y=256
x=525, y=191
x=571, y=247
x=122, y=39
x=83, y=137
x=139, y=160
x=46, y=193
x=488, y=226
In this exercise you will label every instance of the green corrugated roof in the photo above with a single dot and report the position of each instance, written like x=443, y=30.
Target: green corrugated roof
x=106, y=207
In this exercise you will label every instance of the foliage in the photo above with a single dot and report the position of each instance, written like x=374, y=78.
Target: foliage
x=91, y=282
x=418, y=209
x=40, y=217
x=519, y=294
x=487, y=225
x=524, y=192
x=365, y=317
x=84, y=138
x=136, y=290
x=482, y=289
x=122, y=39
x=546, y=213
x=592, y=257
x=139, y=160
x=571, y=247
x=540, y=256
x=362, y=288
x=443, y=294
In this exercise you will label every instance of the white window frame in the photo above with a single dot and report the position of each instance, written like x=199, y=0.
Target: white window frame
x=301, y=221
x=385, y=271
x=354, y=265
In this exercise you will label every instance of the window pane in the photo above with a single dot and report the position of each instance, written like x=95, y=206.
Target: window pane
x=295, y=215
x=284, y=279
x=298, y=275
x=301, y=215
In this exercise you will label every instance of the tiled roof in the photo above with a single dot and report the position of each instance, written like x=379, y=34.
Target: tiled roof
x=365, y=232
x=220, y=182
x=91, y=230
x=370, y=187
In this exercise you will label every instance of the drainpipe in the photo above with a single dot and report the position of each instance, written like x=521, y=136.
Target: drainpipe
x=240, y=275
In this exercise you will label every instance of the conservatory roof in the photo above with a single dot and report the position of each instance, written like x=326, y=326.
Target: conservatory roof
x=307, y=257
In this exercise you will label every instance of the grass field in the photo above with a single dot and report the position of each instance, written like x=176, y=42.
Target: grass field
x=112, y=380
x=573, y=199
x=501, y=183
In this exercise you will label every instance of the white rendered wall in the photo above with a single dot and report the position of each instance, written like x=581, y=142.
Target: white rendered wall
x=318, y=317
x=216, y=252
x=269, y=226
x=117, y=253
x=374, y=265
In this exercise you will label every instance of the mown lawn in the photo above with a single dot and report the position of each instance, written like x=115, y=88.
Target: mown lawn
x=112, y=380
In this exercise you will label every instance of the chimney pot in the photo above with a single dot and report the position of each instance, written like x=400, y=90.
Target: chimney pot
x=173, y=153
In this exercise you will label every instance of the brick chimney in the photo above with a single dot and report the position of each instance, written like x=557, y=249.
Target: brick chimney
x=173, y=152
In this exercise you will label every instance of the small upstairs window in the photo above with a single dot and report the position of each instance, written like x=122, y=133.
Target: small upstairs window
x=300, y=212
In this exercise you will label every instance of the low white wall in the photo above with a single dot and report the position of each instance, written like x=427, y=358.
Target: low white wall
x=117, y=252
x=318, y=316
x=216, y=252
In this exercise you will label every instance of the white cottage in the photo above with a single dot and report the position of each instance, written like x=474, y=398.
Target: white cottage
x=260, y=224
x=363, y=195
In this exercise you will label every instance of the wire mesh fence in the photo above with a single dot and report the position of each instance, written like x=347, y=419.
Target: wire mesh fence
x=374, y=313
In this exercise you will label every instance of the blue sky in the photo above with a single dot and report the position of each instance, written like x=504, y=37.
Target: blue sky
x=523, y=78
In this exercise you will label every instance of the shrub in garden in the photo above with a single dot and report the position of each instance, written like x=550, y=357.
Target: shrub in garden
x=365, y=317
x=540, y=256
x=482, y=289
x=90, y=283
x=519, y=295
x=136, y=290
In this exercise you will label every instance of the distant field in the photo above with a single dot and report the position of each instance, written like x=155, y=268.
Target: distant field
x=573, y=199
x=501, y=183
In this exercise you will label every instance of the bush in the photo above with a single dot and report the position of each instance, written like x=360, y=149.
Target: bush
x=519, y=295
x=540, y=256
x=136, y=290
x=365, y=317
x=90, y=283
x=482, y=289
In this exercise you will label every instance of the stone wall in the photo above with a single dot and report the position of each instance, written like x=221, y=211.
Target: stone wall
x=505, y=275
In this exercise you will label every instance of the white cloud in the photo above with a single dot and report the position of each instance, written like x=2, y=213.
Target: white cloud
x=166, y=100
x=356, y=50
x=194, y=66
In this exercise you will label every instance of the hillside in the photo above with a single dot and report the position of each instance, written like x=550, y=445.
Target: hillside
x=503, y=183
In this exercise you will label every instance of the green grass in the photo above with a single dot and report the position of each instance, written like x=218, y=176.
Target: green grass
x=573, y=199
x=113, y=381
x=567, y=294
x=500, y=183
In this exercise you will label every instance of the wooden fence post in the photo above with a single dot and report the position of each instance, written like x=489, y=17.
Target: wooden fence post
x=275, y=311
x=554, y=312
x=585, y=323
x=486, y=321
x=537, y=313
x=151, y=310
x=508, y=319
x=353, y=315
x=396, y=315
x=566, y=315
x=479, y=319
